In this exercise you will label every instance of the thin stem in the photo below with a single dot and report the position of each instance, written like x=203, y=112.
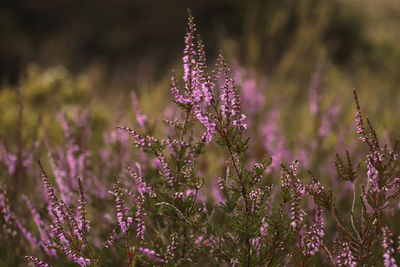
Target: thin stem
x=340, y=225
x=244, y=195
x=329, y=254
x=352, y=212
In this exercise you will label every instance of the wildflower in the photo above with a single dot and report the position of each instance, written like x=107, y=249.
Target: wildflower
x=60, y=176
x=57, y=230
x=398, y=244
x=189, y=53
x=36, y=261
x=201, y=74
x=240, y=122
x=44, y=236
x=83, y=226
x=140, y=214
x=290, y=180
x=175, y=92
x=297, y=190
x=230, y=100
x=54, y=205
x=28, y=235
x=210, y=126
x=296, y=213
x=151, y=254
x=255, y=197
x=4, y=206
x=316, y=187
x=111, y=239
x=82, y=261
x=142, y=186
x=165, y=170
x=359, y=121
x=387, y=245
x=264, y=227
x=141, y=142
x=170, y=251
x=123, y=219
x=316, y=233
x=234, y=262
x=346, y=257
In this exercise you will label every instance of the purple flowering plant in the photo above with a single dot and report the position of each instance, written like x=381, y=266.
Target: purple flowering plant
x=156, y=211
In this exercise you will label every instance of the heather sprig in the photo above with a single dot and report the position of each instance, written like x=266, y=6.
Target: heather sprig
x=36, y=261
x=387, y=245
x=69, y=228
x=359, y=239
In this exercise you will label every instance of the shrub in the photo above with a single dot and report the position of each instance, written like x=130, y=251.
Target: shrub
x=157, y=210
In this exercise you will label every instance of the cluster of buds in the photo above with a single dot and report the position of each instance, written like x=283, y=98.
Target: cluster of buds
x=346, y=258
x=142, y=187
x=111, y=239
x=140, y=142
x=170, y=251
x=140, y=214
x=151, y=254
x=36, y=261
x=316, y=233
x=255, y=197
x=387, y=245
x=165, y=170
x=123, y=219
x=297, y=189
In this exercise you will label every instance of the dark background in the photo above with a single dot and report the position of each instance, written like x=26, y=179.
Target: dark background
x=139, y=36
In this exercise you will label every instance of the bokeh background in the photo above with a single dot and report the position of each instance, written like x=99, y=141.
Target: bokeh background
x=66, y=53
x=301, y=58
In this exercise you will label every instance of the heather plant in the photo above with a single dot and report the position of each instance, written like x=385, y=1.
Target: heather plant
x=161, y=203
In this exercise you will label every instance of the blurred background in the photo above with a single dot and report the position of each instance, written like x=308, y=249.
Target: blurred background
x=76, y=63
x=72, y=52
x=68, y=54
x=125, y=39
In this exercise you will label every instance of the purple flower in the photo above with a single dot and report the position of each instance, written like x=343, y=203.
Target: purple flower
x=140, y=214
x=141, y=142
x=202, y=79
x=28, y=235
x=165, y=170
x=255, y=197
x=316, y=233
x=170, y=251
x=387, y=245
x=346, y=257
x=297, y=190
x=205, y=120
x=4, y=206
x=151, y=254
x=189, y=52
x=111, y=239
x=36, y=261
x=82, y=261
x=142, y=186
x=123, y=219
